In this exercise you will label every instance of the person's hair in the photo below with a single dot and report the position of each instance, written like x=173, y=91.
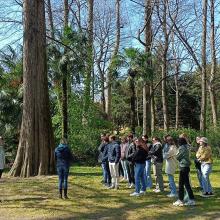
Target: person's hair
x=106, y=139
x=182, y=141
x=145, y=136
x=142, y=144
x=130, y=136
x=113, y=137
x=156, y=138
x=63, y=141
x=169, y=138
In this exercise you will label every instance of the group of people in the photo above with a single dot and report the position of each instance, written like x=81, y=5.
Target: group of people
x=133, y=158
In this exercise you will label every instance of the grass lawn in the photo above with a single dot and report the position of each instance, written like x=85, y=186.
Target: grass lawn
x=37, y=198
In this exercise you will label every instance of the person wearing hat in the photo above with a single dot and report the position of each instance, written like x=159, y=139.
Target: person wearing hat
x=204, y=155
x=2, y=156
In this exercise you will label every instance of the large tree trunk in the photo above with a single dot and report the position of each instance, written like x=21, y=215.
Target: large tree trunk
x=203, y=74
x=213, y=68
x=35, y=150
x=153, y=117
x=146, y=86
x=115, y=52
x=89, y=64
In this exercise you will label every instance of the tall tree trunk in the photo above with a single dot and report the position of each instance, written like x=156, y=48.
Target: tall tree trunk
x=89, y=64
x=203, y=74
x=137, y=108
x=146, y=86
x=177, y=93
x=115, y=52
x=64, y=80
x=35, y=150
x=153, y=117
x=164, y=67
x=50, y=16
x=133, y=99
x=213, y=68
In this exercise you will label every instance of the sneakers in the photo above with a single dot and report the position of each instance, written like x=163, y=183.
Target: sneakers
x=205, y=195
x=211, y=194
x=178, y=203
x=111, y=187
x=171, y=195
x=190, y=203
x=157, y=190
x=135, y=194
x=142, y=192
x=131, y=186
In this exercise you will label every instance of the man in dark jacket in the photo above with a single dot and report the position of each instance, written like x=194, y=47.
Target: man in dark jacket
x=131, y=149
x=101, y=149
x=63, y=157
x=156, y=153
x=114, y=154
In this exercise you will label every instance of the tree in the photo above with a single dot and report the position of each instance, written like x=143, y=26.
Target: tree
x=115, y=52
x=36, y=144
x=212, y=78
x=203, y=72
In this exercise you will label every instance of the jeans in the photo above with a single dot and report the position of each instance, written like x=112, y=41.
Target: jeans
x=157, y=168
x=140, y=178
x=184, y=181
x=106, y=172
x=172, y=184
x=148, y=174
x=199, y=176
x=124, y=167
x=206, y=169
x=114, y=170
x=63, y=173
x=130, y=170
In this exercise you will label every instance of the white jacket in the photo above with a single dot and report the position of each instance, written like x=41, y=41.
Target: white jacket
x=171, y=161
x=2, y=158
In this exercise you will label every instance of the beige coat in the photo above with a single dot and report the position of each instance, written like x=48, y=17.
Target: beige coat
x=171, y=161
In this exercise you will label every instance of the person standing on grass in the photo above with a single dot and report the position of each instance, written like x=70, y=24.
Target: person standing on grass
x=114, y=154
x=124, y=146
x=156, y=154
x=148, y=163
x=169, y=155
x=204, y=155
x=184, y=166
x=2, y=156
x=101, y=149
x=63, y=157
x=139, y=159
x=105, y=163
x=198, y=165
x=130, y=165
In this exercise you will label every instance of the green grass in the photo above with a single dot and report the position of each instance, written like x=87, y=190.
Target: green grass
x=37, y=198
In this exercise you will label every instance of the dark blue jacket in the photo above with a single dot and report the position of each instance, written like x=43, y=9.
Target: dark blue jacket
x=63, y=155
x=105, y=153
x=114, y=152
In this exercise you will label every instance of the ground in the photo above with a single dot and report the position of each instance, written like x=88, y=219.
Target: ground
x=37, y=198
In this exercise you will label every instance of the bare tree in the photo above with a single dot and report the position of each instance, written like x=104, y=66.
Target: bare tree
x=212, y=78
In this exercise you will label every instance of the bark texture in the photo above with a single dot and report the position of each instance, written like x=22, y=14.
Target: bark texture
x=36, y=144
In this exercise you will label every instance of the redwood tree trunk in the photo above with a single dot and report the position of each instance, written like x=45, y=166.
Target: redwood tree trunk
x=35, y=150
